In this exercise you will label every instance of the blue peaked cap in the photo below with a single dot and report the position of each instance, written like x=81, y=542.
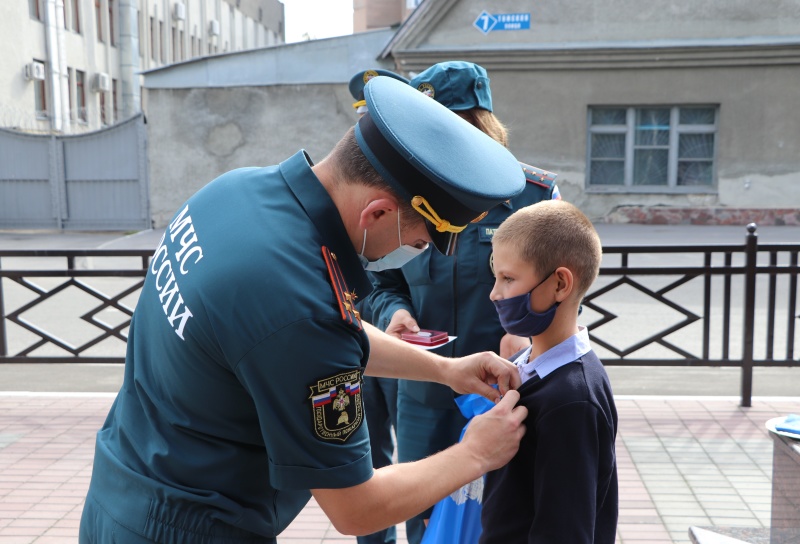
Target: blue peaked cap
x=361, y=78
x=424, y=150
x=457, y=85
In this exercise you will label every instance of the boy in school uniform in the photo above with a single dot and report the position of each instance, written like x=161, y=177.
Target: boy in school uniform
x=562, y=484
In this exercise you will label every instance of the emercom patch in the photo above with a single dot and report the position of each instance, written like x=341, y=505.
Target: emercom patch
x=337, y=407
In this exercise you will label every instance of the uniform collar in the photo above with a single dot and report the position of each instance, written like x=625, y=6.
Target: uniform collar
x=321, y=210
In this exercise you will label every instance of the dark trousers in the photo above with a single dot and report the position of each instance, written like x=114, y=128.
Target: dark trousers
x=380, y=406
x=421, y=432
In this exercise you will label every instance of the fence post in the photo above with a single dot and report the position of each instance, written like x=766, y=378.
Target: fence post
x=3, y=346
x=751, y=256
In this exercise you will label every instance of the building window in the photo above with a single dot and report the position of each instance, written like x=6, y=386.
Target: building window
x=153, y=38
x=80, y=95
x=111, y=26
x=139, y=28
x=232, y=19
x=71, y=93
x=652, y=148
x=163, y=41
x=114, y=103
x=103, y=116
x=175, y=44
x=181, y=46
x=40, y=94
x=76, y=16
x=99, y=16
x=35, y=9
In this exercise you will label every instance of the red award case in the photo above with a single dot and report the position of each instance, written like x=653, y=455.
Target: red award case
x=425, y=337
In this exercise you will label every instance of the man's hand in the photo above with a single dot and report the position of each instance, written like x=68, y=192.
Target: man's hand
x=477, y=373
x=510, y=344
x=401, y=322
x=494, y=437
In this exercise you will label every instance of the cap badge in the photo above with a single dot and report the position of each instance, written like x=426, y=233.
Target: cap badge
x=426, y=89
x=369, y=74
x=337, y=407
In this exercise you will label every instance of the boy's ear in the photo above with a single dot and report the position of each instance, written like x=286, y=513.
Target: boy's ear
x=566, y=283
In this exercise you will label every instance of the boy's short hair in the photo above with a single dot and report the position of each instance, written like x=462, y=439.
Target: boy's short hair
x=554, y=233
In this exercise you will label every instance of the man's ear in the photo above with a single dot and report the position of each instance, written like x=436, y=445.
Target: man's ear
x=566, y=283
x=375, y=210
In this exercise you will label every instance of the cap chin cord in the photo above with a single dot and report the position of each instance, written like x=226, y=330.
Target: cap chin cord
x=442, y=225
x=358, y=104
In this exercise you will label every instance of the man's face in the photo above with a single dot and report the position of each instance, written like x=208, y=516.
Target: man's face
x=382, y=237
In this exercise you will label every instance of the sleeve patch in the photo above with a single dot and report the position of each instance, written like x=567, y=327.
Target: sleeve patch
x=337, y=406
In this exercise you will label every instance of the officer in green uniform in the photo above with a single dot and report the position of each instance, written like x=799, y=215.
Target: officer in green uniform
x=450, y=294
x=242, y=390
x=379, y=394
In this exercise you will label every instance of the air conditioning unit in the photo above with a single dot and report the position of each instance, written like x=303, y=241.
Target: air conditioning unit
x=34, y=70
x=213, y=27
x=179, y=12
x=101, y=82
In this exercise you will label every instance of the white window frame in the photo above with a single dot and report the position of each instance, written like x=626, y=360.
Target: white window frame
x=629, y=130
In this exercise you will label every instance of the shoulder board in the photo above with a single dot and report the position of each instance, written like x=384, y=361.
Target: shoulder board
x=345, y=298
x=537, y=176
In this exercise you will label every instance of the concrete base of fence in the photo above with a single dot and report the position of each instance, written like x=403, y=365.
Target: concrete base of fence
x=728, y=535
x=667, y=215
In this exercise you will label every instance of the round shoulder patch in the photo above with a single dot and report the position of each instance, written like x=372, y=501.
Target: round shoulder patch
x=426, y=89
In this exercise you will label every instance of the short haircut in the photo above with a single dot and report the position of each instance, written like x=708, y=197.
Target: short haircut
x=551, y=234
x=353, y=167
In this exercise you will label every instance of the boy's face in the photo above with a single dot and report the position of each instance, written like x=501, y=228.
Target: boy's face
x=514, y=277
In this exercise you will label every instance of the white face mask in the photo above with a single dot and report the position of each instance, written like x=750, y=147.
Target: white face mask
x=395, y=259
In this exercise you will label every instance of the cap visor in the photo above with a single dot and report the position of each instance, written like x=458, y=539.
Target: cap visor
x=444, y=242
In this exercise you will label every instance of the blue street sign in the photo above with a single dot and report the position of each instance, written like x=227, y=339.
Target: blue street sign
x=486, y=22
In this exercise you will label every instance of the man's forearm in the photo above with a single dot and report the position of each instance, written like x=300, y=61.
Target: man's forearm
x=398, y=492
x=393, y=358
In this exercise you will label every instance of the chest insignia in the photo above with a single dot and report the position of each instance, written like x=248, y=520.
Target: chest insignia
x=337, y=407
x=344, y=297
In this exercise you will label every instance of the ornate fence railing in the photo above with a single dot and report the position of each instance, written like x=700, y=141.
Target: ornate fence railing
x=726, y=305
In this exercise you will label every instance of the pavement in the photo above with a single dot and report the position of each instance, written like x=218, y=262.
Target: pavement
x=688, y=454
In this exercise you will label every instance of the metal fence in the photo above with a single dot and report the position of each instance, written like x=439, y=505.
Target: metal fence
x=731, y=305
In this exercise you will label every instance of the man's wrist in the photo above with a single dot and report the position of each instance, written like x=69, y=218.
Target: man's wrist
x=442, y=368
x=469, y=460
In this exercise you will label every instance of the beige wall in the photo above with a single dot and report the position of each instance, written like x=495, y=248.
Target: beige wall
x=759, y=132
x=542, y=90
x=741, y=56
x=196, y=135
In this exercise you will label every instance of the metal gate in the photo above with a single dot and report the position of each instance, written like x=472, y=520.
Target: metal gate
x=92, y=181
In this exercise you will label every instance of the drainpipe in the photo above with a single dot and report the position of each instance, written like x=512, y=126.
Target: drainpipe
x=129, y=58
x=57, y=74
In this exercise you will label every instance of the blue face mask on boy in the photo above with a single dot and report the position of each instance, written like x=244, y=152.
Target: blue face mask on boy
x=518, y=319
